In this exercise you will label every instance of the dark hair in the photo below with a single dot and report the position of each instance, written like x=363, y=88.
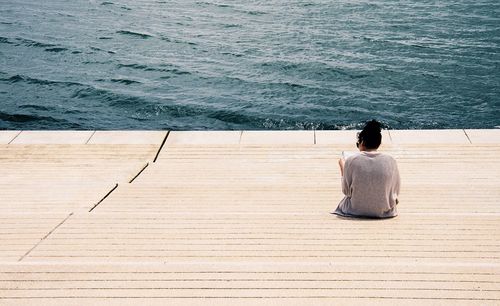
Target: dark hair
x=371, y=135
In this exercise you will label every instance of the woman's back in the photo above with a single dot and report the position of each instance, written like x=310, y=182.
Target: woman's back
x=371, y=185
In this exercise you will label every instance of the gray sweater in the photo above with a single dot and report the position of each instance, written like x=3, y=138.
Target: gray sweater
x=371, y=185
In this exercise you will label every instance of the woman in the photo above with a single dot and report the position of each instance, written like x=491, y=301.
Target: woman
x=370, y=180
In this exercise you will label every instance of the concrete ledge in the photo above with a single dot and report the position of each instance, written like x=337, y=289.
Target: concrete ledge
x=277, y=137
x=7, y=136
x=483, y=136
x=322, y=137
x=127, y=137
x=53, y=137
x=429, y=137
x=345, y=137
x=203, y=138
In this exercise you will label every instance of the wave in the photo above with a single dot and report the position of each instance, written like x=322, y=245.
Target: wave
x=232, y=54
x=106, y=95
x=290, y=124
x=203, y=3
x=232, y=117
x=247, y=120
x=314, y=70
x=26, y=122
x=138, y=105
x=5, y=40
x=34, y=43
x=173, y=69
x=35, y=107
x=138, y=67
x=56, y=49
x=178, y=71
x=106, y=3
x=177, y=41
x=20, y=78
x=22, y=118
x=102, y=50
x=136, y=34
x=125, y=81
x=231, y=25
x=254, y=13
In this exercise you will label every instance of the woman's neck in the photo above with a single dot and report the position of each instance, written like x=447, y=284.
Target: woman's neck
x=362, y=148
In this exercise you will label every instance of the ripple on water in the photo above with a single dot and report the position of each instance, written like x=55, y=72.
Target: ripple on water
x=5, y=40
x=56, y=49
x=135, y=34
x=22, y=118
x=35, y=107
x=172, y=69
x=38, y=81
x=33, y=43
x=125, y=81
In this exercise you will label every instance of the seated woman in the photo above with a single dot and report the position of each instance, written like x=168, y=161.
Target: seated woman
x=370, y=180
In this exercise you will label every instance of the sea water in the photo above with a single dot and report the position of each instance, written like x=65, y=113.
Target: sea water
x=249, y=64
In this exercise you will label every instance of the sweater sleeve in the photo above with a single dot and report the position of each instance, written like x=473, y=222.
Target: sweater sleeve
x=397, y=182
x=346, y=179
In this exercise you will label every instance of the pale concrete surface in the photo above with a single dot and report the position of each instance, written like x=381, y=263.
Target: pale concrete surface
x=197, y=138
x=279, y=238
x=53, y=137
x=277, y=137
x=19, y=232
x=233, y=284
x=484, y=136
x=224, y=221
x=65, y=178
x=7, y=136
x=127, y=137
x=428, y=137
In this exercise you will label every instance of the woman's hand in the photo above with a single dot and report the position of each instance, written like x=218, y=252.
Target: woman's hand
x=341, y=165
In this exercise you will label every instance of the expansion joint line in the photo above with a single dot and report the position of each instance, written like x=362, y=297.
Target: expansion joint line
x=139, y=173
x=390, y=136
x=15, y=137
x=45, y=237
x=467, y=135
x=104, y=198
x=88, y=140
x=161, y=146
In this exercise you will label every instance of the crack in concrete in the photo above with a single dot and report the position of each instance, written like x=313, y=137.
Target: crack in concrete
x=45, y=237
x=161, y=146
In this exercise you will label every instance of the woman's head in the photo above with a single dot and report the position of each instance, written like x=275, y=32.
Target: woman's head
x=370, y=137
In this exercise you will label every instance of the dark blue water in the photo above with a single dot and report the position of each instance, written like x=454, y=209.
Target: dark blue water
x=240, y=64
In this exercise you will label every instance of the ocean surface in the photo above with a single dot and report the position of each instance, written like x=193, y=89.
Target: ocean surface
x=249, y=64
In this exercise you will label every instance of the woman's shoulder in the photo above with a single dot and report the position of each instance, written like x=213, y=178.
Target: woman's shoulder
x=376, y=156
x=387, y=157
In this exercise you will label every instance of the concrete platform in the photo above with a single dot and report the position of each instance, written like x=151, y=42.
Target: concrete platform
x=243, y=218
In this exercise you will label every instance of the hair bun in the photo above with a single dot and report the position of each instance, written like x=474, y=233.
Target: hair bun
x=373, y=126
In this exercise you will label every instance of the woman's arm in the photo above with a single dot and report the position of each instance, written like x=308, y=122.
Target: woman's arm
x=345, y=181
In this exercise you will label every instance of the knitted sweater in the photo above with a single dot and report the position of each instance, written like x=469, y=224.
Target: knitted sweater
x=371, y=186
